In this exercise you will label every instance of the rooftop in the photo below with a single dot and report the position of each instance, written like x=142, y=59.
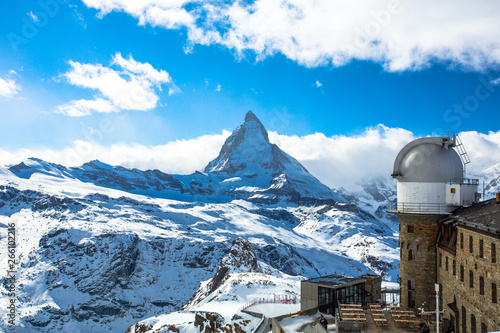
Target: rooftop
x=484, y=215
x=335, y=280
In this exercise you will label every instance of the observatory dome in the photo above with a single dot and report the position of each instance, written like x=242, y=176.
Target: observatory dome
x=427, y=160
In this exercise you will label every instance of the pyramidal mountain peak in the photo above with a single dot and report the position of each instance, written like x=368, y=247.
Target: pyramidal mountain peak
x=249, y=156
x=245, y=145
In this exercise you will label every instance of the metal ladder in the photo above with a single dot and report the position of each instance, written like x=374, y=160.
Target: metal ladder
x=460, y=148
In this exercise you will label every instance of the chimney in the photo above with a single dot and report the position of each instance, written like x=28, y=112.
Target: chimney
x=498, y=197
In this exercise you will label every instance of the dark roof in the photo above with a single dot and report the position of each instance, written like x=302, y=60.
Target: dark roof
x=335, y=280
x=483, y=216
x=447, y=237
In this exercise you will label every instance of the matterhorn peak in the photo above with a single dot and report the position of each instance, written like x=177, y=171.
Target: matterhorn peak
x=248, y=143
x=247, y=158
x=251, y=116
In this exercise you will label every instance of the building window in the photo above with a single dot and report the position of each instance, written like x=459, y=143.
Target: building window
x=452, y=190
x=440, y=259
x=454, y=267
x=462, y=273
x=472, y=323
x=411, y=255
x=493, y=293
x=446, y=263
x=410, y=228
x=471, y=244
x=462, y=240
x=484, y=329
x=411, y=294
x=471, y=279
x=481, y=254
x=464, y=320
x=481, y=285
x=493, y=253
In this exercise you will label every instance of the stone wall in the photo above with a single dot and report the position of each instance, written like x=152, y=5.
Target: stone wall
x=467, y=296
x=417, y=235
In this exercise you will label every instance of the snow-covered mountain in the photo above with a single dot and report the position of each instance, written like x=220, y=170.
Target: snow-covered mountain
x=101, y=247
x=248, y=167
x=248, y=160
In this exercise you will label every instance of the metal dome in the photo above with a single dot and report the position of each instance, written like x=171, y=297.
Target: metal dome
x=428, y=160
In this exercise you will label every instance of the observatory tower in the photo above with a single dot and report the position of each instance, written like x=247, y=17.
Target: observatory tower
x=431, y=184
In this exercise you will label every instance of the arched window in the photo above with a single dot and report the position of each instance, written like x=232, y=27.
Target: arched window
x=484, y=329
x=472, y=323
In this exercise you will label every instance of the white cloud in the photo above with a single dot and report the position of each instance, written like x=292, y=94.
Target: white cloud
x=178, y=157
x=8, y=87
x=343, y=160
x=83, y=107
x=33, y=17
x=318, y=84
x=219, y=87
x=336, y=161
x=400, y=34
x=131, y=87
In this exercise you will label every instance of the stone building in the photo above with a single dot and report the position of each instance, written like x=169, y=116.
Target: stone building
x=446, y=236
x=468, y=272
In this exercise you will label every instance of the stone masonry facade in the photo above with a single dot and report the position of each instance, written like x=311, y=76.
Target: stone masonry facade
x=469, y=278
x=417, y=239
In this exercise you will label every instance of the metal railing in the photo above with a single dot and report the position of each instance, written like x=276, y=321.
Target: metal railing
x=419, y=208
x=464, y=181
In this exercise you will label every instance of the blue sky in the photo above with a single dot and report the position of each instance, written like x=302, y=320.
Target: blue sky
x=421, y=68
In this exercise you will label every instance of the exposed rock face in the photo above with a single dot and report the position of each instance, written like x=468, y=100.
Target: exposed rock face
x=241, y=258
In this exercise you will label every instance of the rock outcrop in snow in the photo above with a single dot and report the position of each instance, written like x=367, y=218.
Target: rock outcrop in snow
x=240, y=259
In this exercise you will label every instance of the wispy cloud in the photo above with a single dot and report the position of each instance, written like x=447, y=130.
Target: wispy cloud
x=338, y=161
x=318, y=84
x=8, y=86
x=132, y=86
x=83, y=107
x=33, y=17
x=219, y=87
x=399, y=34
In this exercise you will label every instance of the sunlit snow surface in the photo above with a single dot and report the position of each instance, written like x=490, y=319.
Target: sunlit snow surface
x=94, y=259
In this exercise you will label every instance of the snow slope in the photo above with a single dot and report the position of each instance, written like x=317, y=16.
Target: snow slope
x=102, y=247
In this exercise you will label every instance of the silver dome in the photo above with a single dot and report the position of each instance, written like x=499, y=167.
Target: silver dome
x=428, y=160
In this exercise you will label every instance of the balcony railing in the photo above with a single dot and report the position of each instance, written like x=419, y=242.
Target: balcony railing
x=419, y=208
x=464, y=181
